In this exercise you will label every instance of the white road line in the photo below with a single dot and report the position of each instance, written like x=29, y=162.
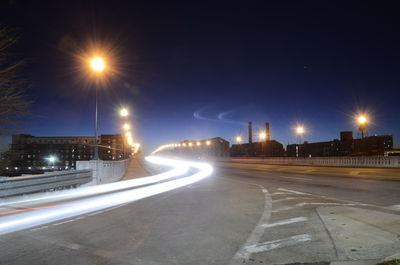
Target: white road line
x=286, y=222
x=293, y=191
x=295, y=178
x=39, y=228
x=394, y=207
x=286, y=208
x=290, y=198
x=270, y=245
x=65, y=222
x=281, y=193
x=258, y=231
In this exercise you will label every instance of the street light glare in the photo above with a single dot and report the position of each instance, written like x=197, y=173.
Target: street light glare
x=238, y=139
x=97, y=64
x=124, y=112
x=300, y=130
x=263, y=136
x=126, y=127
x=362, y=119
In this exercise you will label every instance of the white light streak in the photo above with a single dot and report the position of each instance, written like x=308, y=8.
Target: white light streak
x=21, y=221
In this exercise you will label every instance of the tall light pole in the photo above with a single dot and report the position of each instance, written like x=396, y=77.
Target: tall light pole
x=123, y=112
x=97, y=65
x=362, y=124
x=300, y=132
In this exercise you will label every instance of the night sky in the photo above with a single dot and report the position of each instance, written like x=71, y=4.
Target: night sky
x=195, y=70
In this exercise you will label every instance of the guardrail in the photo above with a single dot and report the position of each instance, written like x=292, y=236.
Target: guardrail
x=327, y=161
x=104, y=171
x=43, y=182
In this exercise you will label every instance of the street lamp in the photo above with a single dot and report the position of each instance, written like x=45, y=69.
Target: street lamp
x=262, y=136
x=238, y=139
x=126, y=127
x=97, y=64
x=124, y=112
x=362, y=124
x=300, y=132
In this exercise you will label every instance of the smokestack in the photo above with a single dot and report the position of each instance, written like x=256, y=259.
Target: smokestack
x=267, y=133
x=250, y=133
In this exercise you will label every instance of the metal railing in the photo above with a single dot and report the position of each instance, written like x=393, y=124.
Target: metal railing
x=44, y=182
x=328, y=161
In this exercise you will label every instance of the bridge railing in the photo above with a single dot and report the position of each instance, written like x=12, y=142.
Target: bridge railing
x=328, y=161
x=43, y=182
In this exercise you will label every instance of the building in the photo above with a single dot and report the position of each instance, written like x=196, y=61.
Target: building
x=269, y=148
x=31, y=154
x=346, y=146
x=266, y=148
x=211, y=147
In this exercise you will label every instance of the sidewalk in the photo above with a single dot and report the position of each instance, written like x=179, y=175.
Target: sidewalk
x=135, y=169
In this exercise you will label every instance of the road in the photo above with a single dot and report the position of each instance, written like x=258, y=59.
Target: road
x=242, y=214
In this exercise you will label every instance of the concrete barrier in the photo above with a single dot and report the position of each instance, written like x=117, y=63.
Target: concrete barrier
x=104, y=171
x=327, y=161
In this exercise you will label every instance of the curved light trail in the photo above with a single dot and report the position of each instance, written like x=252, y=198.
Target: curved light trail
x=21, y=221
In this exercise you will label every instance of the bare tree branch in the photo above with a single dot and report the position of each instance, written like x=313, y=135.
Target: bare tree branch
x=13, y=101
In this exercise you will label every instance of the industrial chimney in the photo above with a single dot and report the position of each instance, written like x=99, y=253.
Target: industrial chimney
x=250, y=133
x=267, y=133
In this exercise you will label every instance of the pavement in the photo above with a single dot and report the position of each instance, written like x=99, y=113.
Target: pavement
x=243, y=214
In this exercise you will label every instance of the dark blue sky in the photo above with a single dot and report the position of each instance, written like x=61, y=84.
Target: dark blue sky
x=294, y=62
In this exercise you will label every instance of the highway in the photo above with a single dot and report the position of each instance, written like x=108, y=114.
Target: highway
x=241, y=214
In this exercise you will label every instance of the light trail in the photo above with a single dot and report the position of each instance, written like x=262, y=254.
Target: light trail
x=21, y=221
x=179, y=170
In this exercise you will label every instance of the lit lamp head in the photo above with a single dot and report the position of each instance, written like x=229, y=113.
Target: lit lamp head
x=97, y=64
x=126, y=127
x=208, y=142
x=124, y=112
x=300, y=130
x=262, y=135
x=238, y=139
x=362, y=120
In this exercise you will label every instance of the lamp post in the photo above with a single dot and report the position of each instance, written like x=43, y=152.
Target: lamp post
x=300, y=132
x=362, y=124
x=123, y=112
x=97, y=65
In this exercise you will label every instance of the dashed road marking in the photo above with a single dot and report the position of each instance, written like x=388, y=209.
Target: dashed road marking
x=286, y=222
x=293, y=191
x=269, y=245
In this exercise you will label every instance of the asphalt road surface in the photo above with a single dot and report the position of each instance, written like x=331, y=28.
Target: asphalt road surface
x=242, y=214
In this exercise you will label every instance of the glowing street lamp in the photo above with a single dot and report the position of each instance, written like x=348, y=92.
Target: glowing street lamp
x=362, y=124
x=300, y=132
x=126, y=127
x=262, y=136
x=97, y=64
x=238, y=139
x=198, y=143
x=123, y=112
x=208, y=142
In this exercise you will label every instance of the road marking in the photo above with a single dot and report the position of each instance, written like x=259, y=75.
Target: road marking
x=258, y=230
x=293, y=191
x=291, y=198
x=295, y=178
x=286, y=222
x=39, y=228
x=270, y=245
x=61, y=223
x=394, y=207
x=282, y=209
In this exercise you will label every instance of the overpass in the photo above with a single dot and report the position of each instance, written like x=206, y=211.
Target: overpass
x=245, y=212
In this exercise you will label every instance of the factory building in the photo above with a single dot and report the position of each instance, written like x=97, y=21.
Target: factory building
x=346, y=146
x=264, y=148
x=30, y=154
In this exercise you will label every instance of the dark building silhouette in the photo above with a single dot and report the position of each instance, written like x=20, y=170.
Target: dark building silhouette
x=346, y=146
x=270, y=148
x=211, y=147
x=29, y=153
